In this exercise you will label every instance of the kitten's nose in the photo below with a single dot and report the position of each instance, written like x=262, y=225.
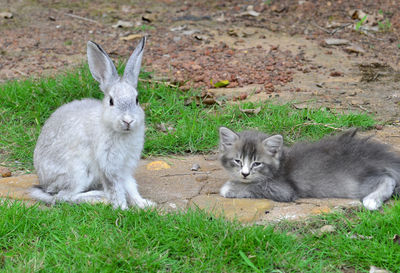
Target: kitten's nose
x=245, y=174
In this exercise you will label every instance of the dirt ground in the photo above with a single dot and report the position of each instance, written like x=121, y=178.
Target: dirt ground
x=265, y=49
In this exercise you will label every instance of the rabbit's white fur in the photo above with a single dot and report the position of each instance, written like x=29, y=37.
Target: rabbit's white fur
x=88, y=149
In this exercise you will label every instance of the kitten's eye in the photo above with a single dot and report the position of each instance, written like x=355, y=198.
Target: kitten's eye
x=137, y=100
x=256, y=164
x=111, y=101
x=238, y=162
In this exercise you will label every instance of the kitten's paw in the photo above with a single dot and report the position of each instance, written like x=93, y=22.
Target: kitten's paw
x=226, y=192
x=371, y=204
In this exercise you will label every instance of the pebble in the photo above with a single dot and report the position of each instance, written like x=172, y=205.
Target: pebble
x=195, y=167
x=201, y=178
x=4, y=172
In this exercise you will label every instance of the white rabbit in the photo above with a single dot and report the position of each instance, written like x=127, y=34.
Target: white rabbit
x=88, y=149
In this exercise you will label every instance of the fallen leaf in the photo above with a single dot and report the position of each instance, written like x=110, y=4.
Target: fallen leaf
x=336, y=74
x=6, y=15
x=205, y=97
x=149, y=17
x=249, y=11
x=357, y=14
x=179, y=28
x=163, y=127
x=300, y=106
x=157, y=165
x=220, y=83
x=4, y=172
x=396, y=239
x=122, y=24
x=201, y=178
x=242, y=96
x=359, y=236
x=327, y=229
x=233, y=32
x=333, y=41
x=251, y=111
x=354, y=49
x=131, y=37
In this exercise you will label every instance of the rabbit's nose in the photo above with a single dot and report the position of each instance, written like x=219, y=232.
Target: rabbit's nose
x=128, y=120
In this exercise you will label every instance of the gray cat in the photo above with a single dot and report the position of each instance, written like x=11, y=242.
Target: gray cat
x=342, y=166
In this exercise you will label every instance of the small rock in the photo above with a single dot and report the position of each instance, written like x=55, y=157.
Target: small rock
x=122, y=24
x=185, y=88
x=195, y=167
x=201, y=178
x=327, y=229
x=378, y=127
x=356, y=102
x=332, y=41
x=4, y=172
x=149, y=17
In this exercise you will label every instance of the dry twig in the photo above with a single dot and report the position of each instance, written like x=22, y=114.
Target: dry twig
x=82, y=18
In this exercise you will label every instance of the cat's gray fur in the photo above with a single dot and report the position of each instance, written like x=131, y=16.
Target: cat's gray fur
x=342, y=166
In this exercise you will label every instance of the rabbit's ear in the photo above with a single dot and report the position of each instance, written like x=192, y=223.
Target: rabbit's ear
x=132, y=68
x=100, y=65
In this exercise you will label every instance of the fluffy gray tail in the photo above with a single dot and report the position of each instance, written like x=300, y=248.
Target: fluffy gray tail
x=39, y=194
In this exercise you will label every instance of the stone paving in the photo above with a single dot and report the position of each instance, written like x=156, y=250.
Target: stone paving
x=170, y=182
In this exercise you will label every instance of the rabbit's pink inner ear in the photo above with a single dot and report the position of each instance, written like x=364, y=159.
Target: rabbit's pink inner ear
x=101, y=66
x=132, y=69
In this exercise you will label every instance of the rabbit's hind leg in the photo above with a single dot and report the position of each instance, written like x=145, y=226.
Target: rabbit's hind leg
x=94, y=196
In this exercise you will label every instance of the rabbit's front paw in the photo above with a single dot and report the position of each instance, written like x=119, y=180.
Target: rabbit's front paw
x=144, y=203
x=121, y=204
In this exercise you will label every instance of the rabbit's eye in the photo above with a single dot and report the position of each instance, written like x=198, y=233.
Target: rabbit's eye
x=137, y=100
x=111, y=102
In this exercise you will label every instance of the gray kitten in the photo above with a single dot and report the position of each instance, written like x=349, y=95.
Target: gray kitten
x=342, y=166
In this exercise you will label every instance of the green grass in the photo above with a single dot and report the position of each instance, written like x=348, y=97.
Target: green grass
x=26, y=104
x=93, y=238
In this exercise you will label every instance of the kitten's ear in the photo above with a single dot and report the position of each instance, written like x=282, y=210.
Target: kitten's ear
x=226, y=138
x=273, y=145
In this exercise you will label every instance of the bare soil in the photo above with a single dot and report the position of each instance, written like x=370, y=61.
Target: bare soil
x=265, y=49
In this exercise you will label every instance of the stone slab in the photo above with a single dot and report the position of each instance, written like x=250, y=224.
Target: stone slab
x=242, y=209
x=16, y=187
x=170, y=182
